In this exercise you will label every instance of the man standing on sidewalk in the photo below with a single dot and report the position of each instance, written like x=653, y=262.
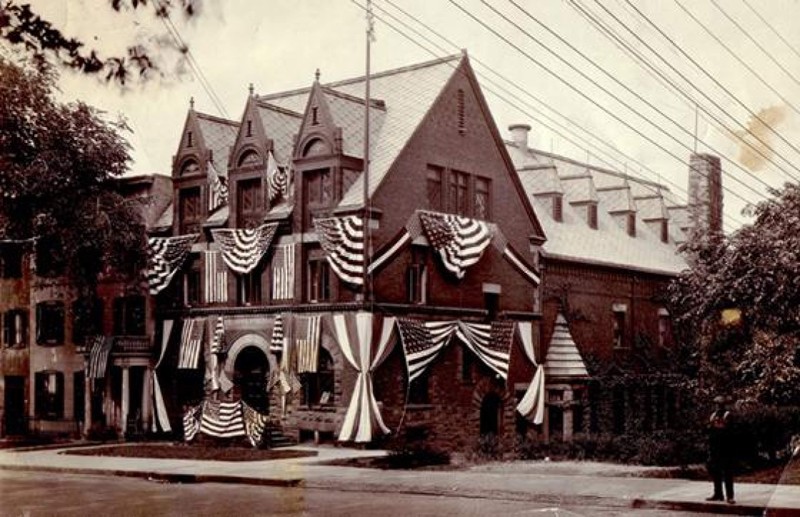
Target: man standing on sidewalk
x=721, y=451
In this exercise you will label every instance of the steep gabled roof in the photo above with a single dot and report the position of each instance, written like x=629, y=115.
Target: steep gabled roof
x=408, y=94
x=281, y=125
x=219, y=135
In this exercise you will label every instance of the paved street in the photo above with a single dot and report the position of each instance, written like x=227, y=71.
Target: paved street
x=35, y=494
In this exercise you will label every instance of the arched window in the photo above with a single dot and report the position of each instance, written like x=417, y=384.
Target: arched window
x=189, y=168
x=318, y=386
x=249, y=158
x=316, y=147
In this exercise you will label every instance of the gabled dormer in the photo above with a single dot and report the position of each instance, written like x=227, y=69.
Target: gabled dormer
x=319, y=136
x=192, y=151
x=251, y=146
x=617, y=200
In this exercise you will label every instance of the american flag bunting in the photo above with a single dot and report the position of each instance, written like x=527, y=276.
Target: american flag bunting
x=460, y=241
x=216, y=278
x=307, y=344
x=222, y=419
x=164, y=256
x=278, y=335
x=217, y=190
x=491, y=342
x=342, y=239
x=283, y=272
x=242, y=249
x=422, y=343
x=98, y=356
x=191, y=343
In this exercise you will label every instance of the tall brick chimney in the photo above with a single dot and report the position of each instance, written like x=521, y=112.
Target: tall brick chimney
x=705, y=193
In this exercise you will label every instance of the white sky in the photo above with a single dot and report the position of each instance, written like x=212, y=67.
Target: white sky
x=278, y=44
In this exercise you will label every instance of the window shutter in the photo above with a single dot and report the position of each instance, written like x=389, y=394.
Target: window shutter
x=58, y=333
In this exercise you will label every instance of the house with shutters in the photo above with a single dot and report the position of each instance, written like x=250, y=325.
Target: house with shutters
x=296, y=294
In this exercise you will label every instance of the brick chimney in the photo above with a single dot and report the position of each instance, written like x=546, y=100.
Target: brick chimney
x=519, y=135
x=705, y=193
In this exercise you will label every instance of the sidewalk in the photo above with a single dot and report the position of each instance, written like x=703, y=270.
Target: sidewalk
x=555, y=484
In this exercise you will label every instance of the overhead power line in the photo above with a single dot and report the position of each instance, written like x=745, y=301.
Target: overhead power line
x=772, y=28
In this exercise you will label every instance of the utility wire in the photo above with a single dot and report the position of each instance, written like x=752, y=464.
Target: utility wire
x=755, y=42
x=610, y=76
x=772, y=28
x=699, y=67
x=590, y=99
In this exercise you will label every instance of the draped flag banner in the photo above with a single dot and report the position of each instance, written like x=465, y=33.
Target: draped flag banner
x=217, y=191
x=218, y=336
x=422, y=342
x=460, y=241
x=191, y=423
x=191, y=343
x=242, y=249
x=216, y=277
x=306, y=338
x=98, y=356
x=532, y=404
x=283, y=272
x=278, y=179
x=160, y=417
x=164, y=256
x=276, y=343
x=365, y=342
x=342, y=239
x=491, y=342
x=254, y=424
x=222, y=419
x=412, y=230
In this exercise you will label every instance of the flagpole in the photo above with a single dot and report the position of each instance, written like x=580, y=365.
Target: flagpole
x=369, y=36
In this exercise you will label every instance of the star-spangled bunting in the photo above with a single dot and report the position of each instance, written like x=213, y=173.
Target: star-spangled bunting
x=459, y=240
x=218, y=336
x=242, y=249
x=191, y=423
x=491, y=342
x=342, y=239
x=217, y=190
x=254, y=424
x=422, y=342
x=222, y=419
x=164, y=257
x=276, y=343
x=98, y=356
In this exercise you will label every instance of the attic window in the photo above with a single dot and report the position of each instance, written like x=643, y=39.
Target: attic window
x=249, y=128
x=189, y=139
x=632, y=224
x=592, y=215
x=558, y=208
x=314, y=115
x=664, y=231
x=460, y=119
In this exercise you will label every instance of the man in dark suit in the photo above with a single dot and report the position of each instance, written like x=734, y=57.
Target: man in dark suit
x=721, y=450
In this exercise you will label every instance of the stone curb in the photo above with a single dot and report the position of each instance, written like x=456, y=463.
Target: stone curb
x=553, y=499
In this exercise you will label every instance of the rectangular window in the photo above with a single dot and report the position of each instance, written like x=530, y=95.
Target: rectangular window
x=620, y=340
x=87, y=319
x=249, y=202
x=458, y=198
x=10, y=261
x=248, y=287
x=319, y=280
x=15, y=327
x=49, y=396
x=664, y=325
x=434, y=188
x=192, y=284
x=482, y=202
x=50, y=323
x=129, y=316
x=417, y=283
x=190, y=210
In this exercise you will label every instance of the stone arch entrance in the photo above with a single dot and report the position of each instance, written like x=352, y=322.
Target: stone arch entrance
x=248, y=365
x=491, y=414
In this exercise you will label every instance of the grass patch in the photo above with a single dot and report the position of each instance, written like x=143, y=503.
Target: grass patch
x=192, y=452
x=783, y=474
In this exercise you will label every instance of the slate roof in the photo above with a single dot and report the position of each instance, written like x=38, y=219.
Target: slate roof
x=609, y=245
x=219, y=136
x=281, y=125
x=408, y=94
x=563, y=358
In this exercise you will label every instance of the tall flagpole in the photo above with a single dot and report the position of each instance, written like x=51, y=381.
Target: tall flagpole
x=367, y=244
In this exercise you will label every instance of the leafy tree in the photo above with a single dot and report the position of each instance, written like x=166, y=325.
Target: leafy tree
x=26, y=31
x=59, y=170
x=757, y=271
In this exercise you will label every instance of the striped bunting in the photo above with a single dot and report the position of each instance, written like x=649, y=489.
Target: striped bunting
x=191, y=343
x=278, y=179
x=307, y=344
x=98, y=356
x=218, y=336
x=422, y=342
x=217, y=190
x=283, y=272
x=412, y=230
x=222, y=419
x=460, y=241
x=216, y=277
x=254, y=424
x=164, y=257
x=191, y=423
x=242, y=249
x=276, y=343
x=342, y=238
x=490, y=342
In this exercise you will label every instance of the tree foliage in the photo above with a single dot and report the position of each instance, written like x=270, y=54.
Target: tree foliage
x=59, y=170
x=755, y=270
x=26, y=31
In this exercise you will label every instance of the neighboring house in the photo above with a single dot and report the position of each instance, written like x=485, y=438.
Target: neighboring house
x=47, y=332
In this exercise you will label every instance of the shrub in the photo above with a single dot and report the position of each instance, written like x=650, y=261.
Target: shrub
x=417, y=456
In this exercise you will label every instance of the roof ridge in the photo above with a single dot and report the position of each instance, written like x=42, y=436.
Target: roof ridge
x=274, y=107
x=214, y=118
x=385, y=73
x=375, y=103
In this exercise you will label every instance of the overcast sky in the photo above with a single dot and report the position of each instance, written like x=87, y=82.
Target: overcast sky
x=278, y=44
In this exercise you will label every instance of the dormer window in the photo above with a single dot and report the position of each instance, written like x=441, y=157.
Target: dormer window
x=314, y=116
x=461, y=123
x=664, y=231
x=631, y=224
x=558, y=208
x=592, y=215
x=189, y=142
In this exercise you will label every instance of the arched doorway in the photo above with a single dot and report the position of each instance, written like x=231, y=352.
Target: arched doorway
x=491, y=414
x=250, y=371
